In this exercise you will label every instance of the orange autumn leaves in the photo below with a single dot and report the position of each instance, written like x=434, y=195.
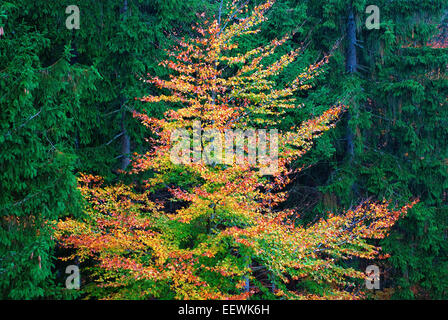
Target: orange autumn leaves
x=195, y=231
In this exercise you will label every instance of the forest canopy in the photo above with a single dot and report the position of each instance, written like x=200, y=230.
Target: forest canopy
x=223, y=149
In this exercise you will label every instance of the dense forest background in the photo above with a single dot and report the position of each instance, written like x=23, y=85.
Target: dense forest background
x=67, y=97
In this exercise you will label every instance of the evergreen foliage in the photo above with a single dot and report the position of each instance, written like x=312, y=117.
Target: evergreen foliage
x=67, y=99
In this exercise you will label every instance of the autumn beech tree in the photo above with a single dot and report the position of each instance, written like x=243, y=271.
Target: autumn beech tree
x=195, y=230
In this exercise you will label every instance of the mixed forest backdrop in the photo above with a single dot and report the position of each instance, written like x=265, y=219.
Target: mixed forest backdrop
x=85, y=178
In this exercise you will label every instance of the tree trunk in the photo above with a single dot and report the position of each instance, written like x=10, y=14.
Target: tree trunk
x=351, y=67
x=125, y=140
x=125, y=144
x=351, y=62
